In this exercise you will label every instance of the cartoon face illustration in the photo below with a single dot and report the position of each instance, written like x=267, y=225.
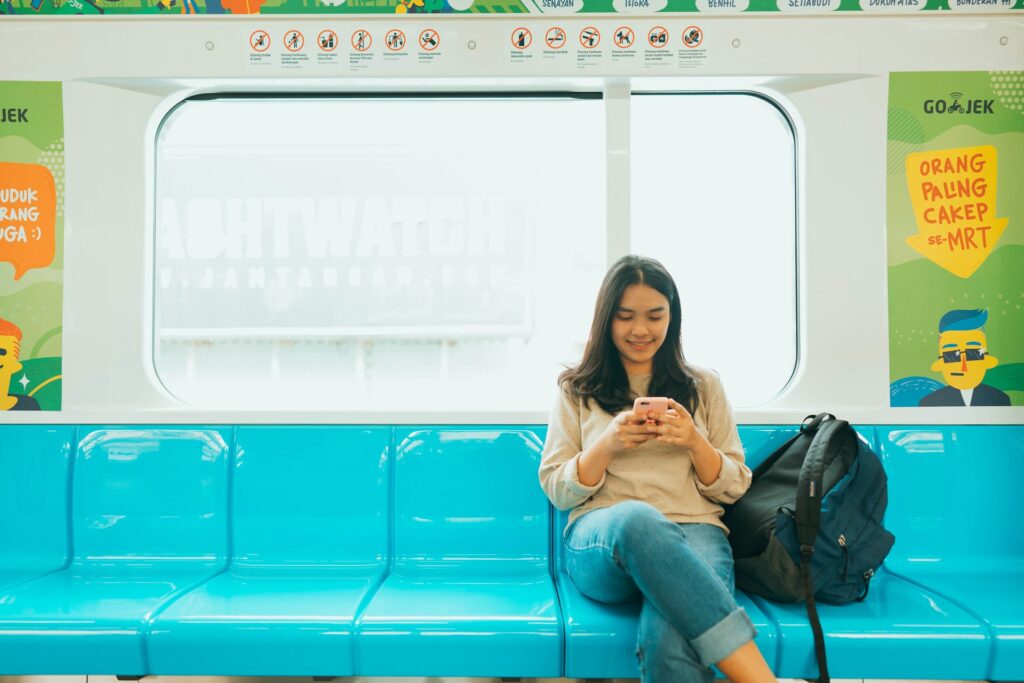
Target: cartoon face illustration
x=9, y=363
x=963, y=358
x=963, y=361
x=10, y=340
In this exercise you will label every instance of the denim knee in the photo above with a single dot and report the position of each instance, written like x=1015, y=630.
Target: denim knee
x=634, y=521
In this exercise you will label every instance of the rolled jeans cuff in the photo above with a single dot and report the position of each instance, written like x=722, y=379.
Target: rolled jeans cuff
x=724, y=638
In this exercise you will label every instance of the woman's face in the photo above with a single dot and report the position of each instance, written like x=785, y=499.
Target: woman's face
x=639, y=326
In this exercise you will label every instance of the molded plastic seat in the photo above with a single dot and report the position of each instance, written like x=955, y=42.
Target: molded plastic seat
x=34, y=480
x=470, y=593
x=601, y=638
x=310, y=539
x=954, y=507
x=899, y=631
x=148, y=522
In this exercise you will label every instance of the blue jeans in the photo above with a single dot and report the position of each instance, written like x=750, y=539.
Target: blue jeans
x=682, y=572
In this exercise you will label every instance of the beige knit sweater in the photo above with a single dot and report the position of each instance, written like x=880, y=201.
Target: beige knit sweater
x=657, y=473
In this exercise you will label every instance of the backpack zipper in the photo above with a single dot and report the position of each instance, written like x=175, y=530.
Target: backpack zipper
x=846, y=555
x=867, y=523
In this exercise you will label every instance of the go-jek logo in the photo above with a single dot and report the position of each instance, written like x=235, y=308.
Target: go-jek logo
x=955, y=106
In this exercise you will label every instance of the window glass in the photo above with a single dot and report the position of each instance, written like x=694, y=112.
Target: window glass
x=377, y=254
x=713, y=198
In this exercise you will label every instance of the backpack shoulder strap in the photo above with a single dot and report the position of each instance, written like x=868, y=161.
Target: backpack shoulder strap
x=825, y=448
x=828, y=444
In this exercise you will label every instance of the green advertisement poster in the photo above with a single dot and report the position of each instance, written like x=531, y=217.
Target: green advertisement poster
x=955, y=238
x=31, y=244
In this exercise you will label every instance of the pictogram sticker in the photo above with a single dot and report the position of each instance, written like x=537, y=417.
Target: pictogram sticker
x=658, y=37
x=624, y=37
x=394, y=39
x=361, y=40
x=692, y=36
x=590, y=37
x=327, y=40
x=521, y=38
x=429, y=39
x=294, y=40
x=259, y=41
x=555, y=38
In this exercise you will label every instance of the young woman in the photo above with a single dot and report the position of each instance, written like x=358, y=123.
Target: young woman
x=646, y=490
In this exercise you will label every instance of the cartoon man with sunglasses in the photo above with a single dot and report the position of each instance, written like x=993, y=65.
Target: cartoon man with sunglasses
x=963, y=361
x=10, y=345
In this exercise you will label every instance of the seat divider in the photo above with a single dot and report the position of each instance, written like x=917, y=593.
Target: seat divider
x=150, y=619
x=357, y=621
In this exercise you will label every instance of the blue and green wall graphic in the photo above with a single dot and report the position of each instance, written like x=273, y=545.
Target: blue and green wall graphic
x=956, y=238
x=31, y=245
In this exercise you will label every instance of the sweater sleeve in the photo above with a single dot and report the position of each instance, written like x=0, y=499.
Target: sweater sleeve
x=558, y=467
x=734, y=479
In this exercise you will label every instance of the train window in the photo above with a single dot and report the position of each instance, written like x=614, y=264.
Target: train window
x=713, y=197
x=376, y=253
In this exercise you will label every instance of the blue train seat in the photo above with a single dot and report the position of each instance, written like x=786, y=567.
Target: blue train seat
x=309, y=545
x=952, y=493
x=900, y=631
x=149, y=521
x=34, y=479
x=384, y=551
x=470, y=592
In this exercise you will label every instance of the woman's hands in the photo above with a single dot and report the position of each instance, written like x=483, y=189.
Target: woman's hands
x=677, y=427
x=628, y=430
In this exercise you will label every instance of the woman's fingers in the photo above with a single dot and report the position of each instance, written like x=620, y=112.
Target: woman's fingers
x=678, y=407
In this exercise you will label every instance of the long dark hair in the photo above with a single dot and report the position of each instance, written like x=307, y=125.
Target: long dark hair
x=600, y=375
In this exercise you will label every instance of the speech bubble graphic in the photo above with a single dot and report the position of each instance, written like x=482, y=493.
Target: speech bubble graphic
x=28, y=216
x=953, y=192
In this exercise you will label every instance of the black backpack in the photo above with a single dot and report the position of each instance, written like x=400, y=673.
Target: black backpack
x=810, y=527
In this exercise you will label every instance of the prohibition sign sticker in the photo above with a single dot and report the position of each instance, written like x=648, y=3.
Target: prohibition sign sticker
x=429, y=39
x=692, y=36
x=394, y=40
x=658, y=37
x=294, y=40
x=623, y=37
x=259, y=41
x=590, y=37
x=521, y=38
x=361, y=40
x=555, y=37
x=327, y=40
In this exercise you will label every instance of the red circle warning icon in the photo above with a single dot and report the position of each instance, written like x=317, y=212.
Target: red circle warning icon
x=361, y=40
x=429, y=40
x=658, y=37
x=327, y=41
x=521, y=38
x=394, y=39
x=624, y=37
x=554, y=38
x=294, y=41
x=590, y=37
x=692, y=36
x=259, y=41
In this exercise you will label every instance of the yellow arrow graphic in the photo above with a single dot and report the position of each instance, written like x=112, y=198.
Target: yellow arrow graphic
x=953, y=192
